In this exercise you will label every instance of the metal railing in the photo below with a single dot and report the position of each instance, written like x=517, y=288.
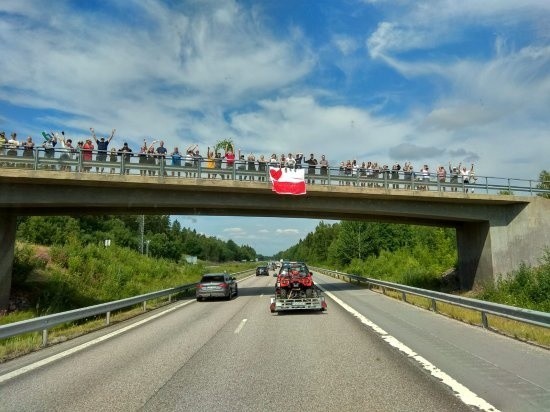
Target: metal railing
x=200, y=168
x=485, y=308
x=43, y=323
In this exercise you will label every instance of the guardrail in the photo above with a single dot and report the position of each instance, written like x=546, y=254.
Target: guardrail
x=43, y=323
x=485, y=308
x=134, y=164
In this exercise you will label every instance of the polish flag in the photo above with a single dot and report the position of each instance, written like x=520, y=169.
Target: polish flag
x=287, y=181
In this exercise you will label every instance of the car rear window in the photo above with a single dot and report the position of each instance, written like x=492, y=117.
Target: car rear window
x=212, y=278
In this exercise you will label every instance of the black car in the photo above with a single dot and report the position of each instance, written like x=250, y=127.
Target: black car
x=262, y=271
x=220, y=285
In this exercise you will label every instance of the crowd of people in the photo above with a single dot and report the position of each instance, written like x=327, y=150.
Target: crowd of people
x=150, y=155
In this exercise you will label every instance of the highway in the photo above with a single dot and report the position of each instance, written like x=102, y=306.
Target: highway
x=237, y=356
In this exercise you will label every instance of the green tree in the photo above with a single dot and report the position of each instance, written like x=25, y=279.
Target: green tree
x=544, y=178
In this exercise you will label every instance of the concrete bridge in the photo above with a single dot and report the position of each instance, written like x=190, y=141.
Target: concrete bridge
x=495, y=233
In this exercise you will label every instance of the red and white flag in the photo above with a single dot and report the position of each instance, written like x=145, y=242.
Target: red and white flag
x=287, y=181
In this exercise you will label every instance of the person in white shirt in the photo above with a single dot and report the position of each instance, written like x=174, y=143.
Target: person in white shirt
x=465, y=174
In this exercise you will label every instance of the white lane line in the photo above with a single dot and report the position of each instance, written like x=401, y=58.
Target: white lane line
x=460, y=391
x=241, y=325
x=36, y=365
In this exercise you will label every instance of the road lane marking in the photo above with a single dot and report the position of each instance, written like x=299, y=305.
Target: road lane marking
x=241, y=325
x=61, y=355
x=460, y=391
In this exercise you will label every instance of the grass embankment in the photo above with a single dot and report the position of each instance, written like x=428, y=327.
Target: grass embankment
x=61, y=278
x=528, y=287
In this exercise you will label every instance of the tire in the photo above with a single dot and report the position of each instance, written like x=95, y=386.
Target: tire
x=229, y=294
x=309, y=293
x=236, y=291
x=199, y=299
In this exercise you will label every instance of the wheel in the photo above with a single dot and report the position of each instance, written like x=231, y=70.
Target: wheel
x=229, y=294
x=199, y=299
x=236, y=291
x=309, y=293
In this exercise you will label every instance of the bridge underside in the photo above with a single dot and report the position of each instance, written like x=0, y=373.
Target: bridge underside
x=495, y=234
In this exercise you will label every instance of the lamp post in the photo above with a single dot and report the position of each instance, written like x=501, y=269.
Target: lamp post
x=141, y=230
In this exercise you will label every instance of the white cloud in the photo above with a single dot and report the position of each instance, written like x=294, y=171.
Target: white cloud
x=288, y=231
x=153, y=80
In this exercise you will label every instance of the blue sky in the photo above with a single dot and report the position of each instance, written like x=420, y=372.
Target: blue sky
x=425, y=81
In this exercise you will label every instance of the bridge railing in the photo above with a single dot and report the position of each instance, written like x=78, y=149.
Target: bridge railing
x=43, y=323
x=136, y=164
x=532, y=317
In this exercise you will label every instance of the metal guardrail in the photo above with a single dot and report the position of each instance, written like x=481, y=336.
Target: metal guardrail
x=134, y=164
x=43, y=323
x=485, y=308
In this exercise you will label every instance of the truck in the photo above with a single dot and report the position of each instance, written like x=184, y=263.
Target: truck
x=295, y=290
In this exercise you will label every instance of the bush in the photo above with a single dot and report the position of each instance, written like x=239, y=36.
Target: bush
x=526, y=287
x=24, y=263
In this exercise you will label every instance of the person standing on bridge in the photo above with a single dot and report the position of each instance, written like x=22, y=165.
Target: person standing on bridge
x=323, y=168
x=465, y=174
x=311, y=165
x=176, y=160
x=87, y=149
x=102, y=146
x=161, y=156
x=454, y=171
x=229, y=159
x=126, y=154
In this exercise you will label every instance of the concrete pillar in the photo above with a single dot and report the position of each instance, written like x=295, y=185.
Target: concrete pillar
x=513, y=235
x=7, y=249
x=474, y=254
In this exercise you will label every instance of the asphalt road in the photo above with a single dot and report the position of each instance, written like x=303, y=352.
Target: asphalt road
x=226, y=356
x=510, y=375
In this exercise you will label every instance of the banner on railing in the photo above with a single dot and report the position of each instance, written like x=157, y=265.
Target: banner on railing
x=287, y=181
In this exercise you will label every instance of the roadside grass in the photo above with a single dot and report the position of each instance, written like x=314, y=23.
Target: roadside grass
x=29, y=342
x=58, y=279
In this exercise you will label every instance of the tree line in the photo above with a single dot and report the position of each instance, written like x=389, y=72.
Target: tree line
x=163, y=237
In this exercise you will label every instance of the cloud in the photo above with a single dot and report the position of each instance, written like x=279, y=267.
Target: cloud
x=288, y=231
x=156, y=77
x=408, y=151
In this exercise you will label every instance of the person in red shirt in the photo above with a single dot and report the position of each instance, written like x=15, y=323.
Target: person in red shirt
x=229, y=160
x=87, y=153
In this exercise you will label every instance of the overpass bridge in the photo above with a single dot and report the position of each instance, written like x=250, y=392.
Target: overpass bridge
x=495, y=233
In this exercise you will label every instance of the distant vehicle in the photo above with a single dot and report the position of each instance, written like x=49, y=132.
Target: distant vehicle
x=262, y=271
x=217, y=285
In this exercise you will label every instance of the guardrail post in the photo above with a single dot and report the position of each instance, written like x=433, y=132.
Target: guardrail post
x=404, y=296
x=484, y=320
x=383, y=290
x=170, y=298
x=44, y=337
x=145, y=306
x=434, y=305
x=108, y=318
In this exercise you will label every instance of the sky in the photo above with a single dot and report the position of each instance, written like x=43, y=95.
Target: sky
x=430, y=82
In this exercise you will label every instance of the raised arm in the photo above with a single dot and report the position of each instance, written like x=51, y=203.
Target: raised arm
x=93, y=134
x=112, y=134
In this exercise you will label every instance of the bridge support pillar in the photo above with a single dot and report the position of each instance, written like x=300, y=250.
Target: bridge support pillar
x=7, y=249
x=487, y=250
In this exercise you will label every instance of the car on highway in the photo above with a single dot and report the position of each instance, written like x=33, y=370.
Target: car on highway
x=262, y=271
x=217, y=285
